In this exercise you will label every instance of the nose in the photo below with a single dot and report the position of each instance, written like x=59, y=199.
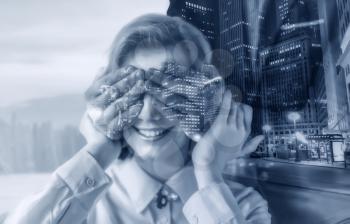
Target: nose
x=148, y=111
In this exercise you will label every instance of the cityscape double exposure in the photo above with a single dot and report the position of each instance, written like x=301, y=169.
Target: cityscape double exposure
x=156, y=90
x=289, y=60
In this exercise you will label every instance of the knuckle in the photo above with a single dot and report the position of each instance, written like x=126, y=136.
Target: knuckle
x=128, y=69
x=247, y=108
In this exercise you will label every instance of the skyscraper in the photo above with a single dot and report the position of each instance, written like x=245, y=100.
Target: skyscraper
x=286, y=71
x=343, y=8
x=334, y=81
x=294, y=18
x=292, y=71
x=240, y=29
x=200, y=13
x=239, y=35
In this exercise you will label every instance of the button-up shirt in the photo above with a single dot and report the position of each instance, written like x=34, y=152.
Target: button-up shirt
x=80, y=191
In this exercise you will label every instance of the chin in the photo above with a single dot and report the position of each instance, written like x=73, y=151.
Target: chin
x=152, y=143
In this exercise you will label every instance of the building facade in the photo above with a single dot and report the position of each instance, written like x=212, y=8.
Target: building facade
x=240, y=38
x=337, y=108
x=200, y=13
x=343, y=9
x=292, y=71
x=286, y=71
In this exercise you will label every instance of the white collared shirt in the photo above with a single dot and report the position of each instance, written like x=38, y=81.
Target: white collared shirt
x=81, y=192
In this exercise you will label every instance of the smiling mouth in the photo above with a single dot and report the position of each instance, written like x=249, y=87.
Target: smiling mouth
x=152, y=134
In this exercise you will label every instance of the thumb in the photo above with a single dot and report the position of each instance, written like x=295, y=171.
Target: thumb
x=85, y=125
x=252, y=144
x=224, y=108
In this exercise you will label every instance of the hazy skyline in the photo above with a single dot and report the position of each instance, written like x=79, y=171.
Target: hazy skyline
x=49, y=48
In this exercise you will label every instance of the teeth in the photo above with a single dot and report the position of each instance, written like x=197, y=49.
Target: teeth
x=149, y=133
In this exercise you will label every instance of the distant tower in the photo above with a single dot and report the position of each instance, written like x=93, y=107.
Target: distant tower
x=200, y=13
x=240, y=38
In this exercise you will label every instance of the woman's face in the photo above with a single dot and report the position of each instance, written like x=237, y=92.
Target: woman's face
x=154, y=137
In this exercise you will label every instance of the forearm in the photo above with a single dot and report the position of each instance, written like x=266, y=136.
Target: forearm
x=104, y=152
x=207, y=176
x=216, y=203
x=71, y=192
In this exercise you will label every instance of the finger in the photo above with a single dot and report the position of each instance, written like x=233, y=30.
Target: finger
x=133, y=112
x=101, y=101
x=171, y=113
x=171, y=92
x=174, y=69
x=171, y=99
x=107, y=78
x=252, y=145
x=125, y=84
x=115, y=127
x=248, y=116
x=125, y=118
x=225, y=106
x=175, y=82
x=115, y=76
x=111, y=93
x=123, y=103
x=210, y=71
x=233, y=114
x=154, y=75
x=115, y=108
x=240, y=117
x=122, y=120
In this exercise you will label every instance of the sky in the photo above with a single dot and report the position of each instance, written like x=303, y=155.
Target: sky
x=50, y=48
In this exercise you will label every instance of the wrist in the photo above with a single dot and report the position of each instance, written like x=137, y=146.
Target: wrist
x=104, y=152
x=206, y=176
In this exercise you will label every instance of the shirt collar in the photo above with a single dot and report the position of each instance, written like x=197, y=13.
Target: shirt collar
x=183, y=183
x=142, y=188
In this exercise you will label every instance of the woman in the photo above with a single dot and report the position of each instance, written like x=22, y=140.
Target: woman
x=139, y=165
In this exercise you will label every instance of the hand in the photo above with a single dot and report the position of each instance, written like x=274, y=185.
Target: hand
x=224, y=141
x=191, y=98
x=114, y=100
x=89, y=132
x=98, y=145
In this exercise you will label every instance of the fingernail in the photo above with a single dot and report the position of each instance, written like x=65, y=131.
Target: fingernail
x=147, y=86
x=140, y=74
x=129, y=68
x=154, y=73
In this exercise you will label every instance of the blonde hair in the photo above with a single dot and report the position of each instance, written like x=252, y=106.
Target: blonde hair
x=156, y=30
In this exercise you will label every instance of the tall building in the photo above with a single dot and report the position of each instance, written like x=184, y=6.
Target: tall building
x=240, y=28
x=319, y=88
x=286, y=71
x=292, y=71
x=343, y=8
x=334, y=81
x=294, y=18
x=200, y=13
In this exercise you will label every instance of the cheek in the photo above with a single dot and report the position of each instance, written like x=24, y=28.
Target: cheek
x=174, y=143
